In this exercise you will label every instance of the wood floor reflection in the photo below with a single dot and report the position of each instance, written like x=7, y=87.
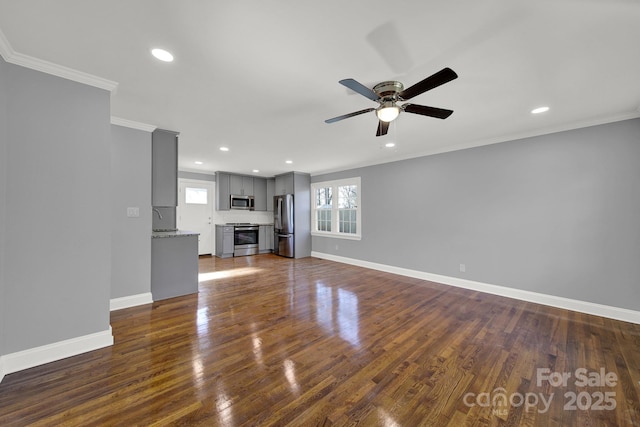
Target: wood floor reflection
x=274, y=341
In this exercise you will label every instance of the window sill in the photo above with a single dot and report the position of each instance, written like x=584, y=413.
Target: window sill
x=337, y=236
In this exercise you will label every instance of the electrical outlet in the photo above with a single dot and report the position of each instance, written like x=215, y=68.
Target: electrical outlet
x=463, y=268
x=133, y=212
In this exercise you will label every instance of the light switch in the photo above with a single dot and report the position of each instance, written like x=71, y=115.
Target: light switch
x=133, y=212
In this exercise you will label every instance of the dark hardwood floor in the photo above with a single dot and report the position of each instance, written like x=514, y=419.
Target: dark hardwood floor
x=274, y=341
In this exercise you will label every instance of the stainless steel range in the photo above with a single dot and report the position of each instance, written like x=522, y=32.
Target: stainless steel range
x=245, y=238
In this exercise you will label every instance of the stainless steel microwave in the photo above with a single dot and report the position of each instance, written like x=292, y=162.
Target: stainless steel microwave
x=245, y=203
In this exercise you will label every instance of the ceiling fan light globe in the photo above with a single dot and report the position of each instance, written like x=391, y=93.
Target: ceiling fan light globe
x=388, y=113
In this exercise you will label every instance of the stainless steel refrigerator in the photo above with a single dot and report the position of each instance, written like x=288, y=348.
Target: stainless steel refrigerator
x=283, y=225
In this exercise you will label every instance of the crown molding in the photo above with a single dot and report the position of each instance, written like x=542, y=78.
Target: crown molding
x=575, y=125
x=13, y=57
x=5, y=47
x=131, y=124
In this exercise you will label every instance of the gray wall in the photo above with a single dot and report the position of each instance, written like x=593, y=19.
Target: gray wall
x=554, y=214
x=3, y=199
x=195, y=175
x=58, y=211
x=302, y=214
x=131, y=187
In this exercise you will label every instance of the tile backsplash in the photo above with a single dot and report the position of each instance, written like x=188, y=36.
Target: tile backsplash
x=222, y=217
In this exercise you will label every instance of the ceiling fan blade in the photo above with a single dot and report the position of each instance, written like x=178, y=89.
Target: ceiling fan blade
x=346, y=116
x=383, y=127
x=441, y=77
x=360, y=88
x=438, y=113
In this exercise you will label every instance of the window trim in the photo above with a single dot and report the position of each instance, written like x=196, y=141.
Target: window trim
x=334, y=209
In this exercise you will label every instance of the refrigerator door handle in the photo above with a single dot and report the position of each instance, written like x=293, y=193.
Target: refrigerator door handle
x=278, y=218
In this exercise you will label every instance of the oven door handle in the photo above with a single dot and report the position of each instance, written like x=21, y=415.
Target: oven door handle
x=246, y=228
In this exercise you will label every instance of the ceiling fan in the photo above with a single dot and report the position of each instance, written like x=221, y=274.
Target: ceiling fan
x=387, y=94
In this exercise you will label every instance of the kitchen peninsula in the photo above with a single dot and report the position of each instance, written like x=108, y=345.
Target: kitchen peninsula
x=174, y=263
x=174, y=253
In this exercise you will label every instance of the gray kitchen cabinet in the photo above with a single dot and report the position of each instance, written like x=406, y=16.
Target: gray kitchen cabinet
x=222, y=191
x=270, y=235
x=262, y=239
x=241, y=185
x=174, y=265
x=284, y=184
x=265, y=238
x=260, y=194
x=224, y=241
x=271, y=191
x=164, y=168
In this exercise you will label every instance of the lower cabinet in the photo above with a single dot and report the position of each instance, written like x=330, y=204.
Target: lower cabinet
x=174, y=266
x=265, y=239
x=224, y=241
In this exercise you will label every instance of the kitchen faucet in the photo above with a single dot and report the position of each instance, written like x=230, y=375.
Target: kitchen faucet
x=158, y=212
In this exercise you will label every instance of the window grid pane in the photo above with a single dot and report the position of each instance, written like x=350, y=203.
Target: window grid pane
x=195, y=196
x=324, y=219
x=347, y=196
x=323, y=197
x=347, y=200
x=348, y=221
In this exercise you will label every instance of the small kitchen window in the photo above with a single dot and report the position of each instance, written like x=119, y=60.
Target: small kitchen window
x=195, y=196
x=335, y=208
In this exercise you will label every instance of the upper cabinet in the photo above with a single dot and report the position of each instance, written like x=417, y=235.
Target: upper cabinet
x=262, y=189
x=164, y=168
x=271, y=191
x=284, y=184
x=260, y=194
x=241, y=185
x=222, y=191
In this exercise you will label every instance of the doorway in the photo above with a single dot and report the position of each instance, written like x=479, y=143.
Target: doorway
x=195, y=211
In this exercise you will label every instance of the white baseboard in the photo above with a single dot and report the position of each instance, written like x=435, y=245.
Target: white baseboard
x=610, y=312
x=25, y=359
x=130, y=301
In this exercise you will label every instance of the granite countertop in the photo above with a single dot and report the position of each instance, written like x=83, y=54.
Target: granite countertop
x=172, y=233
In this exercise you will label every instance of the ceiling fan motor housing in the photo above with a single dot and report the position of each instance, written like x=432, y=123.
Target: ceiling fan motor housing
x=388, y=91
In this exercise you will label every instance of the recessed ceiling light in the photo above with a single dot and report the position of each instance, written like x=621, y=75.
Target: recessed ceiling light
x=256, y=171
x=288, y=162
x=162, y=55
x=539, y=110
x=390, y=144
x=198, y=162
x=224, y=148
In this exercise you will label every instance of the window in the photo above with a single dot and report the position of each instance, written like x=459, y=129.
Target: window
x=195, y=196
x=335, y=208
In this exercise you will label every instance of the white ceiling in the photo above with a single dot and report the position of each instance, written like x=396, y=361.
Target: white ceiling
x=260, y=77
